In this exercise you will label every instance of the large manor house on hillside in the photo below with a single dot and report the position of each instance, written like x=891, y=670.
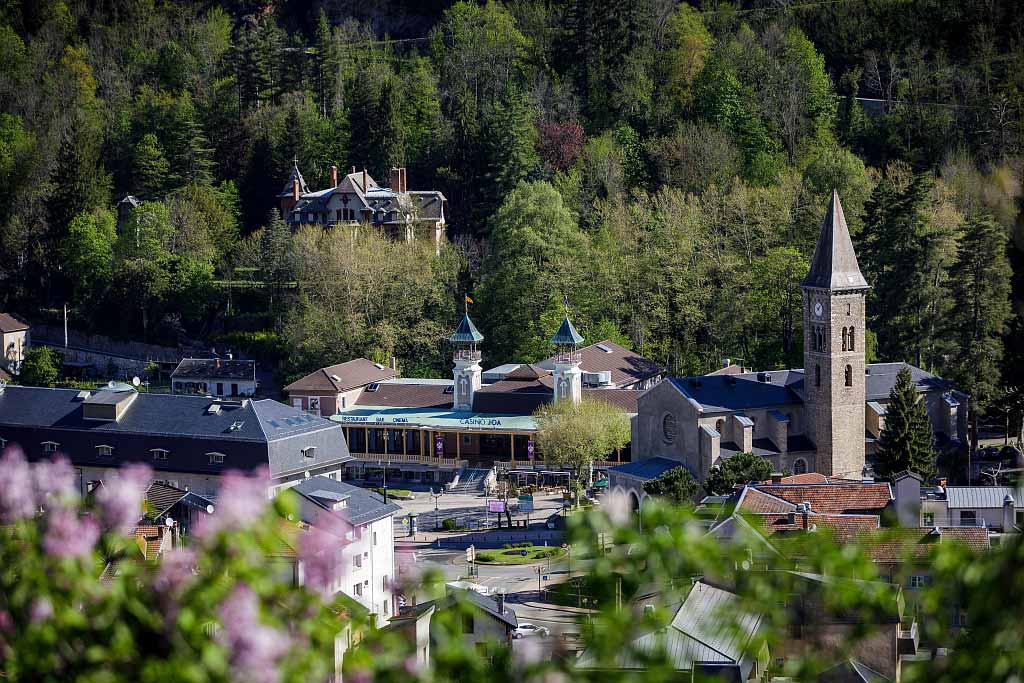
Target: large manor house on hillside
x=824, y=417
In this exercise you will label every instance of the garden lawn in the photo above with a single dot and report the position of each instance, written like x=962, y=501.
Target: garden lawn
x=534, y=553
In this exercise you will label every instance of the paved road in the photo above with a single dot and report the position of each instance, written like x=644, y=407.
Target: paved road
x=468, y=510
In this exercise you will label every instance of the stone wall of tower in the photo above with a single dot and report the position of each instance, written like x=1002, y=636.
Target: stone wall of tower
x=834, y=379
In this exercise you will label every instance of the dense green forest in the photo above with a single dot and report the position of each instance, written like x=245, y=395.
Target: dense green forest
x=664, y=165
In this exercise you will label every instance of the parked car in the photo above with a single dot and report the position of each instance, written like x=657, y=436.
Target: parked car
x=527, y=630
x=555, y=521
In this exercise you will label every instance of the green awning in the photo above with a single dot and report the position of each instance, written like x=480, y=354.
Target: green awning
x=437, y=419
x=601, y=484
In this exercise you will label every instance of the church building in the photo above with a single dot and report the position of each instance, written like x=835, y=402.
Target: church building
x=824, y=417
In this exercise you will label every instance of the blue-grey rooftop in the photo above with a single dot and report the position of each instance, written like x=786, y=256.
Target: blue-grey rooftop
x=567, y=334
x=466, y=332
x=362, y=506
x=648, y=468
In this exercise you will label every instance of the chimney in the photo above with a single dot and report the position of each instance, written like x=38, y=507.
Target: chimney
x=216, y=363
x=394, y=363
x=334, y=176
x=395, y=180
x=364, y=181
x=776, y=477
x=500, y=600
x=1008, y=514
x=405, y=182
x=726, y=362
x=804, y=510
x=295, y=189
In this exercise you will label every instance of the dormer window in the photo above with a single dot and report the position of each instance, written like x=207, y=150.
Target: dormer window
x=309, y=452
x=159, y=453
x=216, y=458
x=50, y=446
x=3, y=443
x=104, y=451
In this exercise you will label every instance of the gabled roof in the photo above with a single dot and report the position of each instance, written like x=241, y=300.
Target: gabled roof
x=361, y=505
x=830, y=498
x=457, y=595
x=408, y=394
x=567, y=334
x=8, y=323
x=834, y=264
x=727, y=393
x=625, y=366
x=897, y=545
x=343, y=376
x=162, y=497
x=289, y=186
x=844, y=528
x=466, y=332
x=648, y=468
x=215, y=368
x=851, y=671
x=981, y=496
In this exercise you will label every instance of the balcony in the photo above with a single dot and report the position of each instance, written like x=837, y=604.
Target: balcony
x=568, y=357
x=408, y=458
x=468, y=354
x=908, y=639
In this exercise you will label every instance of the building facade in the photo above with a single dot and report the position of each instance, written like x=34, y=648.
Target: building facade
x=214, y=377
x=189, y=441
x=14, y=339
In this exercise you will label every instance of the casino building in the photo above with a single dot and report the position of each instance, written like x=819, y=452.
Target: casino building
x=427, y=430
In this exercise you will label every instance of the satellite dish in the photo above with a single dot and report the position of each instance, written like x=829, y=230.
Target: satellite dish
x=745, y=565
x=169, y=522
x=136, y=381
x=209, y=509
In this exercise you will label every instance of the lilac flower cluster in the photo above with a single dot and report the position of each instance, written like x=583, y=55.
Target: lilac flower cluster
x=177, y=568
x=241, y=501
x=68, y=534
x=254, y=647
x=120, y=498
x=17, y=494
x=318, y=550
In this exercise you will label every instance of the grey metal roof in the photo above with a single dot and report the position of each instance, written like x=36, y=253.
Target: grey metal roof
x=834, y=264
x=567, y=334
x=850, y=671
x=361, y=505
x=648, y=468
x=249, y=433
x=456, y=595
x=466, y=332
x=980, y=496
x=215, y=368
x=881, y=378
x=290, y=185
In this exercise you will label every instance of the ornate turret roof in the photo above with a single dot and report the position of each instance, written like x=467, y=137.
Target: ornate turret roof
x=295, y=175
x=834, y=265
x=466, y=332
x=567, y=334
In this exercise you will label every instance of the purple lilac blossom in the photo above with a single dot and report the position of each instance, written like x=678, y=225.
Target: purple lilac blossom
x=41, y=610
x=17, y=497
x=176, y=569
x=254, y=647
x=70, y=535
x=120, y=498
x=241, y=500
x=54, y=479
x=318, y=548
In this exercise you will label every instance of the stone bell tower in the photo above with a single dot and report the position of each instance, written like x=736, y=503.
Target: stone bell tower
x=467, y=371
x=834, y=294
x=567, y=375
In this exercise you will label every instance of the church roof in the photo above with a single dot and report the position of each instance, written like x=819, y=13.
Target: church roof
x=567, y=334
x=834, y=265
x=466, y=332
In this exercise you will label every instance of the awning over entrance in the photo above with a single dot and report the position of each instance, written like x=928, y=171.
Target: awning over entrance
x=437, y=420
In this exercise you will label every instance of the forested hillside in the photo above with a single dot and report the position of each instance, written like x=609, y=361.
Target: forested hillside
x=664, y=165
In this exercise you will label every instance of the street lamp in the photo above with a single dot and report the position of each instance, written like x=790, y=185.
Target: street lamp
x=435, y=496
x=385, y=466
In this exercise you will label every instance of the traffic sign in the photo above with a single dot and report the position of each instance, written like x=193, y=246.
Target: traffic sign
x=523, y=553
x=471, y=553
x=545, y=577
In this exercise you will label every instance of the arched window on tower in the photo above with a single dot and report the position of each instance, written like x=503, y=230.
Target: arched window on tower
x=844, y=339
x=849, y=375
x=799, y=466
x=817, y=375
x=852, y=348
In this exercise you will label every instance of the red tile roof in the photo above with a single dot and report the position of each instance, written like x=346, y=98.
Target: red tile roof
x=753, y=501
x=890, y=546
x=807, y=478
x=843, y=527
x=834, y=497
x=8, y=323
x=343, y=376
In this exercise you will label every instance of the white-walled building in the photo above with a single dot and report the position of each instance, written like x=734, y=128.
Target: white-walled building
x=364, y=567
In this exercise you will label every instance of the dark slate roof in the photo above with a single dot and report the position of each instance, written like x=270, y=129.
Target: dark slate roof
x=487, y=604
x=290, y=185
x=408, y=394
x=834, y=265
x=881, y=378
x=249, y=433
x=162, y=497
x=648, y=468
x=723, y=393
x=8, y=323
x=215, y=368
x=361, y=505
x=567, y=334
x=626, y=367
x=343, y=376
x=466, y=332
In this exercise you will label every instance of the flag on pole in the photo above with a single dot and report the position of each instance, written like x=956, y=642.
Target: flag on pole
x=468, y=299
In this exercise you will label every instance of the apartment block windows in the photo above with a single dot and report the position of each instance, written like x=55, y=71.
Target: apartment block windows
x=928, y=519
x=357, y=562
x=968, y=518
x=159, y=453
x=104, y=451
x=50, y=446
x=357, y=589
x=216, y=458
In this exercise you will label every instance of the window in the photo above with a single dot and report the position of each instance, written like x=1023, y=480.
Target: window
x=357, y=561
x=384, y=605
x=668, y=427
x=1020, y=518
x=159, y=453
x=50, y=446
x=918, y=581
x=384, y=584
x=928, y=519
x=720, y=427
x=357, y=589
x=799, y=466
x=968, y=518
x=3, y=443
x=104, y=451
x=375, y=538
x=849, y=375
x=309, y=452
x=216, y=458
x=467, y=623
x=467, y=439
x=959, y=617
x=817, y=375
x=844, y=339
x=851, y=340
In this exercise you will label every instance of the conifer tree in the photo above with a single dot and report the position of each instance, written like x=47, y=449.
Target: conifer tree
x=906, y=439
x=151, y=167
x=386, y=132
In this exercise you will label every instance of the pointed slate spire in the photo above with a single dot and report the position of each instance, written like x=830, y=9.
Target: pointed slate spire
x=295, y=175
x=834, y=265
x=567, y=334
x=466, y=332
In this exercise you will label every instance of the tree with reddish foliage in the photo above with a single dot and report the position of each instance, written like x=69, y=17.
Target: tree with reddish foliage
x=560, y=143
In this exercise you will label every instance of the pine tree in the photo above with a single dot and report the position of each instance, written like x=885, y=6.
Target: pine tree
x=386, y=132
x=906, y=439
x=327, y=75
x=361, y=115
x=151, y=167
x=980, y=284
